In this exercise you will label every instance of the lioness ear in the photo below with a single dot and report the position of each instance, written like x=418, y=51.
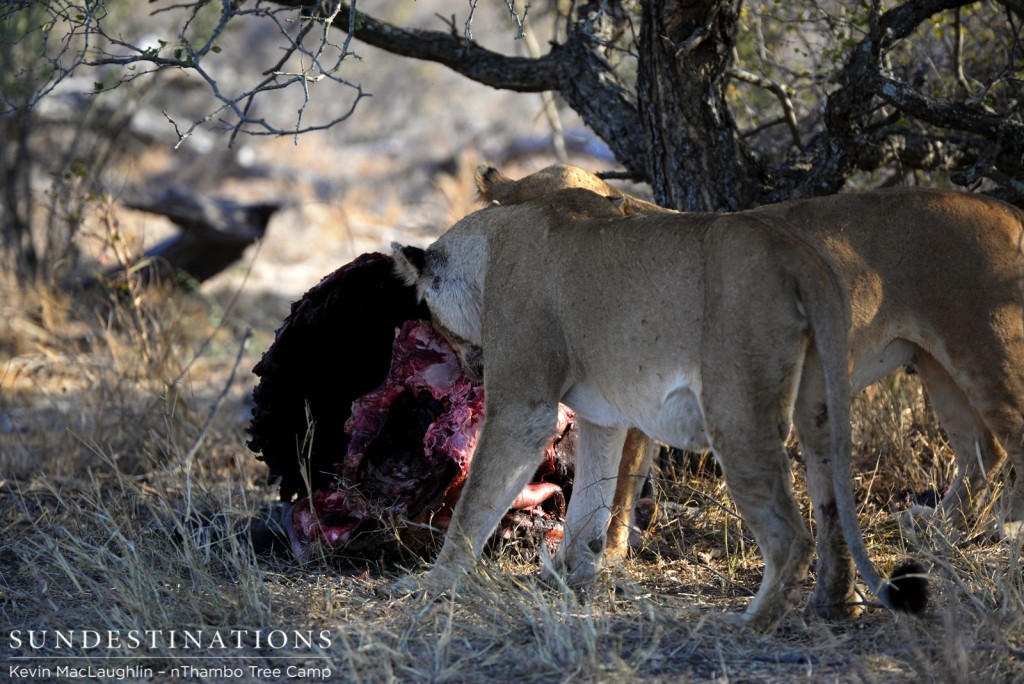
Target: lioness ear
x=490, y=182
x=409, y=262
x=617, y=202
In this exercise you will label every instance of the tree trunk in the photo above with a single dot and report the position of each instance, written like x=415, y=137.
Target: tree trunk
x=684, y=50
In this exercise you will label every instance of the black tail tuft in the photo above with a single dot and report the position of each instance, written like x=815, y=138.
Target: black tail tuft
x=908, y=588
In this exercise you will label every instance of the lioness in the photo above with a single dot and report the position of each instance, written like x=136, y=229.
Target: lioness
x=634, y=322
x=934, y=279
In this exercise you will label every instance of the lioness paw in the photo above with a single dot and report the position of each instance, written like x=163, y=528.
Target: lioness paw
x=426, y=587
x=724, y=622
x=410, y=585
x=1012, y=529
x=573, y=569
x=439, y=581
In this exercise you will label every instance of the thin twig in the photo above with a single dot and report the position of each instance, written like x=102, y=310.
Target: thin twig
x=776, y=89
x=958, y=53
x=215, y=406
x=547, y=98
x=519, y=20
x=468, y=30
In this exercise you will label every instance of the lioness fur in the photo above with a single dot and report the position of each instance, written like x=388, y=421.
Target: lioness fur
x=634, y=322
x=934, y=279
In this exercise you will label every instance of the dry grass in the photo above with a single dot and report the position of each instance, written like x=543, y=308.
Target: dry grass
x=107, y=525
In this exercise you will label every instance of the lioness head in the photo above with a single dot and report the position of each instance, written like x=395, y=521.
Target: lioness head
x=494, y=186
x=449, y=279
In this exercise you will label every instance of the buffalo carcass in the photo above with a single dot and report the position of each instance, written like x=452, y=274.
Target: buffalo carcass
x=364, y=416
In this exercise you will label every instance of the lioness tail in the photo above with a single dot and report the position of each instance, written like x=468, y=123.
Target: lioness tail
x=828, y=312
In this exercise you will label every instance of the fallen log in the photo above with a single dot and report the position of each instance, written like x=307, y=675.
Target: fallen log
x=214, y=234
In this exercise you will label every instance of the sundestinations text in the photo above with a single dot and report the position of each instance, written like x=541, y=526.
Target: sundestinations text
x=171, y=639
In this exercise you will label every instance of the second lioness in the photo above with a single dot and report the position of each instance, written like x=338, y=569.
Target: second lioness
x=934, y=279
x=635, y=323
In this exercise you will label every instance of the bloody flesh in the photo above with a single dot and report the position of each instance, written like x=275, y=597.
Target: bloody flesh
x=384, y=430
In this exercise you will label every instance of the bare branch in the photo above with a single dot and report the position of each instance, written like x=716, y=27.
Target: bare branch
x=516, y=18
x=485, y=66
x=780, y=92
x=85, y=41
x=575, y=69
x=468, y=30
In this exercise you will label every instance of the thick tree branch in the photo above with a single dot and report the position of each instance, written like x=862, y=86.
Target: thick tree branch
x=866, y=84
x=947, y=114
x=521, y=74
x=575, y=69
x=899, y=22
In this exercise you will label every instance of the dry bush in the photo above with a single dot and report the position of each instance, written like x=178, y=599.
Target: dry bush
x=126, y=494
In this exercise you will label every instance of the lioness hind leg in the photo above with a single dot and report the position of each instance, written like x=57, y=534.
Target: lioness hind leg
x=978, y=453
x=1007, y=424
x=637, y=457
x=834, y=592
x=598, y=455
x=759, y=480
x=747, y=417
x=989, y=371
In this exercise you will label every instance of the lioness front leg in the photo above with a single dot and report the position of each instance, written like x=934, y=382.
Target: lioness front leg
x=586, y=521
x=512, y=442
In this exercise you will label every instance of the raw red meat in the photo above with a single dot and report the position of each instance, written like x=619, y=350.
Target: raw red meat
x=396, y=469
x=334, y=347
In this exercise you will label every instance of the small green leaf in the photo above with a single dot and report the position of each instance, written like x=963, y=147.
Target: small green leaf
x=215, y=49
x=97, y=86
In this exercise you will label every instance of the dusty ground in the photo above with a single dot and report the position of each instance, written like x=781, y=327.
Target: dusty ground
x=122, y=463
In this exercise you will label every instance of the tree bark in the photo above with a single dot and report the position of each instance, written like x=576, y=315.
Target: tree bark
x=695, y=159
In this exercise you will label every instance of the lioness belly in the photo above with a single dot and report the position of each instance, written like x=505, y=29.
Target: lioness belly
x=676, y=420
x=872, y=364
